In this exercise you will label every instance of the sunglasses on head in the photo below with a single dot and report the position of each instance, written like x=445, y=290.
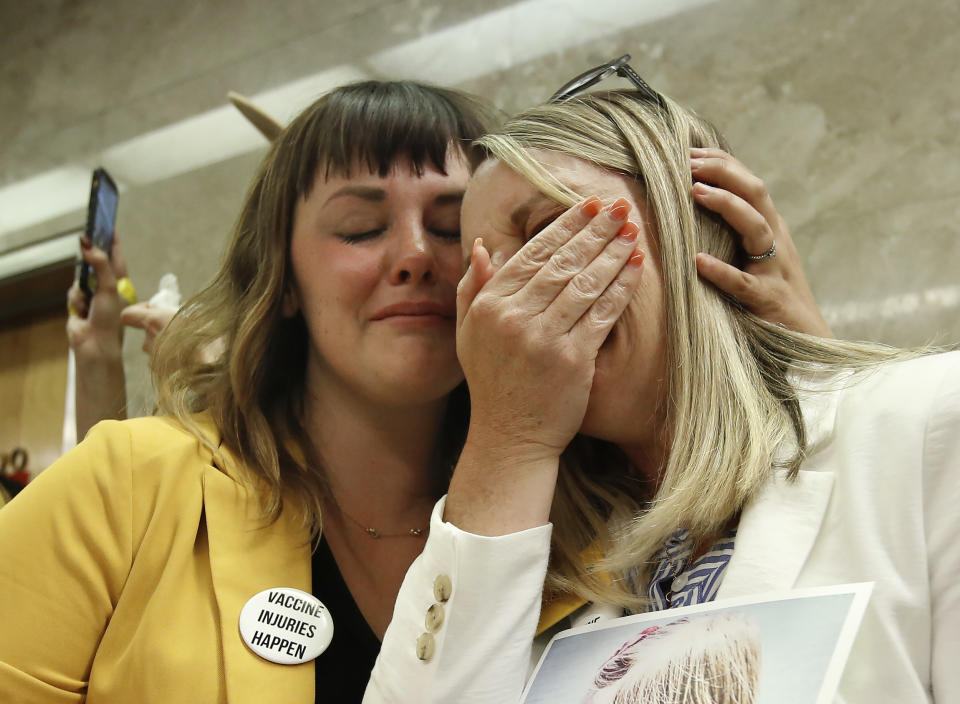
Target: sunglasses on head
x=588, y=79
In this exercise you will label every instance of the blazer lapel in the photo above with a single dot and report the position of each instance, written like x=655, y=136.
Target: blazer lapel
x=778, y=527
x=776, y=532
x=248, y=556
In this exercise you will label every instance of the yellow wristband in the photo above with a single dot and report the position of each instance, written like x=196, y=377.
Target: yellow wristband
x=126, y=290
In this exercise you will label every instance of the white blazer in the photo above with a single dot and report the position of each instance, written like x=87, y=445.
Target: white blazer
x=877, y=499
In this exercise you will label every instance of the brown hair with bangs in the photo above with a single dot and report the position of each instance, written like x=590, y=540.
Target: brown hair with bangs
x=251, y=386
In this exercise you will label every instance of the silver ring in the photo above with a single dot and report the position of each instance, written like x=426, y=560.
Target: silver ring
x=769, y=254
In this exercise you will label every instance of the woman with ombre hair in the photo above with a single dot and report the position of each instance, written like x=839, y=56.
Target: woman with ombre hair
x=333, y=401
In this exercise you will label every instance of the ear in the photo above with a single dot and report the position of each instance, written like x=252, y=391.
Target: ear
x=290, y=303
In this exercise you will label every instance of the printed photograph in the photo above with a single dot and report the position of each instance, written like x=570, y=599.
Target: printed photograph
x=787, y=650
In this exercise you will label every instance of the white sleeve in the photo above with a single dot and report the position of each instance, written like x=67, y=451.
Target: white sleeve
x=485, y=592
x=942, y=525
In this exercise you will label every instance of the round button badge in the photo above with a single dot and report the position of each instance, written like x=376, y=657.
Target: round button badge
x=286, y=625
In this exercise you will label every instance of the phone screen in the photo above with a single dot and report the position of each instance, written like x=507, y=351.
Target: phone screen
x=101, y=216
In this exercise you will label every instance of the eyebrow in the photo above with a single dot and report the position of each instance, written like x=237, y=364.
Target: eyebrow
x=451, y=198
x=378, y=195
x=374, y=195
x=522, y=212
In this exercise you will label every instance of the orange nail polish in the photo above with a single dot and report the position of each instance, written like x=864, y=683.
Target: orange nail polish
x=628, y=231
x=620, y=209
x=590, y=207
x=636, y=259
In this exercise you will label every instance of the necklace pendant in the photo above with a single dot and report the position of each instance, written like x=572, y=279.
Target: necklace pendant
x=416, y=532
x=373, y=532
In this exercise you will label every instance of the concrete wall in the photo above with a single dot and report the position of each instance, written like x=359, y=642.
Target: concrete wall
x=849, y=110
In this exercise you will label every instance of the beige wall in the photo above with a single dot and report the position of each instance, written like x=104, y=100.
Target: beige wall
x=849, y=111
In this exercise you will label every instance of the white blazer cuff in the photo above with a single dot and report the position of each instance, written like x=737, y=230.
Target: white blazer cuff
x=465, y=618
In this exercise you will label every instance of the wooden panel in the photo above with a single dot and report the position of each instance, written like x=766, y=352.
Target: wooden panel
x=33, y=376
x=36, y=291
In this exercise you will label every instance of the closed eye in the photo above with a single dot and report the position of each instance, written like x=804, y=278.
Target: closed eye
x=446, y=234
x=358, y=237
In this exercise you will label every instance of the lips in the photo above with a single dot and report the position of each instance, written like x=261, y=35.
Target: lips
x=415, y=309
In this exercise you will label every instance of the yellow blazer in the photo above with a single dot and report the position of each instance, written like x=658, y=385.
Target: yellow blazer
x=123, y=569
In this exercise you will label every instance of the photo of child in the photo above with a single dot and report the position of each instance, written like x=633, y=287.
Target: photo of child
x=709, y=659
x=787, y=647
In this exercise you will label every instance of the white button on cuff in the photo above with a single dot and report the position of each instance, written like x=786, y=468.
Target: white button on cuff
x=442, y=588
x=425, y=647
x=434, y=618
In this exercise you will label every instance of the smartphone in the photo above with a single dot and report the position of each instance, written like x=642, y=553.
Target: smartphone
x=101, y=217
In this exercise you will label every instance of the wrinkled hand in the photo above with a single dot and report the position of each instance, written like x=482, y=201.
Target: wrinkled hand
x=775, y=288
x=94, y=328
x=529, y=333
x=151, y=319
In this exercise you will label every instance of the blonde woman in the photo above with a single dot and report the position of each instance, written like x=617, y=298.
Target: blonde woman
x=337, y=403
x=650, y=419
x=712, y=659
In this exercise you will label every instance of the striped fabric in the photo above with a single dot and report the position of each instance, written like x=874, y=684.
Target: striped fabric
x=676, y=583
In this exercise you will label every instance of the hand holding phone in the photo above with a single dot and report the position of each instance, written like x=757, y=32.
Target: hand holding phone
x=101, y=218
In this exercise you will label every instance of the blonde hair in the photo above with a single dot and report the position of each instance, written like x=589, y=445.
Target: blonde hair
x=253, y=386
x=729, y=404
x=713, y=659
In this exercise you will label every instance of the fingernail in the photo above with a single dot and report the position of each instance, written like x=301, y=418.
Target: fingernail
x=477, y=244
x=697, y=151
x=590, y=207
x=628, y=231
x=85, y=242
x=696, y=164
x=620, y=209
x=700, y=189
x=636, y=259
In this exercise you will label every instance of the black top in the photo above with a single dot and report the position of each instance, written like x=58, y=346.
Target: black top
x=343, y=669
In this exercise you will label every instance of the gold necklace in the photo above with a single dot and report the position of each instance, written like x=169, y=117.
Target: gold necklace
x=376, y=534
